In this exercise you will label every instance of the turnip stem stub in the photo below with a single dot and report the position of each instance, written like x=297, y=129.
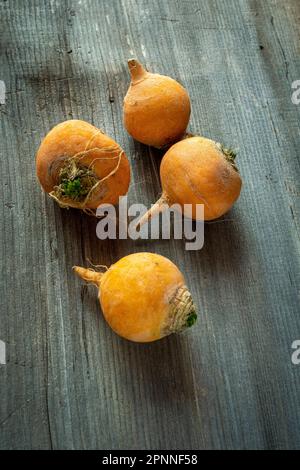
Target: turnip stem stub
x=182, y=312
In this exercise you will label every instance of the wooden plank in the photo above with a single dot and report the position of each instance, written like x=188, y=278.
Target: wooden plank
x=69, y=382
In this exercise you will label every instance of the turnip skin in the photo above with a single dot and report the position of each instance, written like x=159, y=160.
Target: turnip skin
x=156, y=107
x=143, y=297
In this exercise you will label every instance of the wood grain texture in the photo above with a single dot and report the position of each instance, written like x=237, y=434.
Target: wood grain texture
x=69, y=382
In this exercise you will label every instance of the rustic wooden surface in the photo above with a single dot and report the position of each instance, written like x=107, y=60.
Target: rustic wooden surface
x=69, y=382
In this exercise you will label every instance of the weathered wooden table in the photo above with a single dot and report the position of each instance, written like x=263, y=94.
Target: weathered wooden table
x=229, y=382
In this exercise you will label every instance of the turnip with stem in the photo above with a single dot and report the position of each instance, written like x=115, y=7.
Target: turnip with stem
x=156, y=107
x=194, y=171
x=143, y=297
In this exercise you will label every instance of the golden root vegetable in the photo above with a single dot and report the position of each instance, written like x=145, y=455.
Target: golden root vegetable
x=195, y=171
x=80, y=166
x=143, y=297
x=156, y=108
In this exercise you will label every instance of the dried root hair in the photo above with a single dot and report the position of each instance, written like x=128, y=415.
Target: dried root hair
x=97, y=266
x=79, y=182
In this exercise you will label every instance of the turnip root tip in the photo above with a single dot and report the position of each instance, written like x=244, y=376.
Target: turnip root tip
x=88, y=275
x=160, y=206
x=137, y=71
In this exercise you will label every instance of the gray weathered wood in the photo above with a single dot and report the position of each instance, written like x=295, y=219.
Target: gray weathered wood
x=228, y=383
